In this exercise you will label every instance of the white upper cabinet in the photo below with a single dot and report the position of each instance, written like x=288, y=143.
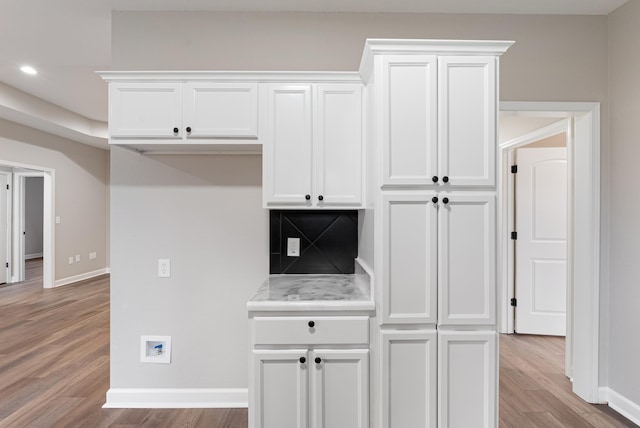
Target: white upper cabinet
x=313, y=152
x=184, y=112
x=410, y=94
x=151, y=110
x=467, y=125
x=221, y=110
x=439, y=120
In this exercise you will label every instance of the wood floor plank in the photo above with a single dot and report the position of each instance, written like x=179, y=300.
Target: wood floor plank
x=54, y=369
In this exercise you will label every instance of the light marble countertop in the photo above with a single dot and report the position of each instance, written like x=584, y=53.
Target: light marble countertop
x=313, y=292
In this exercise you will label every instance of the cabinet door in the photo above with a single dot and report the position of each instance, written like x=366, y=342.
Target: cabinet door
x=409, y=278
x=467, y=258
x=280, y=395
x=287, y=151
x=409, y=379
x=221, y=110
x=409, y=119
x=467, y=125
x=340, y=388
x=145, y=110
x=467, y=379
x=338, y=145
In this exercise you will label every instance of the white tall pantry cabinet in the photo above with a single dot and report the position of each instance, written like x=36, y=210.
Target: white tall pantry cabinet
x=432, y=128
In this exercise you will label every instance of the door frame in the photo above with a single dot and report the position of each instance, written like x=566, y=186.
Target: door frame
x=583, y=258
x=9, y=175
x=48, y=230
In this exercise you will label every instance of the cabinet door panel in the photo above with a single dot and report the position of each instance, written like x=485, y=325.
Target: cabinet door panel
x=149, y=110
x=466, y=263
x=467, y=125
x=409, y=379
x=467, y=386
x=281, y=389
x=409, y=85
x=338, y=154
x=409, y=280
x=222, y=110
x=288, y=163
x=340, y=388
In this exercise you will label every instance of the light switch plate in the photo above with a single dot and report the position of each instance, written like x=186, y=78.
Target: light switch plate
x=293, y=247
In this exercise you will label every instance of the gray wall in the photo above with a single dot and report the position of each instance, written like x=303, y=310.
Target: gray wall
x=555, y=58
x=81, y=184
x=624, y=84
x=33, y=215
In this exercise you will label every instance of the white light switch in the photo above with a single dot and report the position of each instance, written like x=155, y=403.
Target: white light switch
x=164, y=268
x=57, y=219
x=293, y=247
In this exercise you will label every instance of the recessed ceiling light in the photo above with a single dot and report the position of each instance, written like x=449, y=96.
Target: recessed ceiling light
x=29, y=70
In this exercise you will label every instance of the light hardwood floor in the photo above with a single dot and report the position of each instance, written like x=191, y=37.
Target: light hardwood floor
x=54, y=369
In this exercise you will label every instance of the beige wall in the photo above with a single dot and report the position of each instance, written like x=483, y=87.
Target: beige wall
x=624, y=85
x=81, y=184
x=555, y=58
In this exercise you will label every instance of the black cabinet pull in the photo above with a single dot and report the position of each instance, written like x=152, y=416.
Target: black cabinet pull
x=434, y=178
x=320, y=198
x=188, y=129
x=303, y=360
x=311, y=324
x=434, y=200
x=445, y=200
x=307, y=197
x=445, y=179
x=318, y=360
x=175, y=130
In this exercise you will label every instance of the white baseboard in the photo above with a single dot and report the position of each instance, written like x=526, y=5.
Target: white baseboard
x=176, y=398
x=32, y=256
x=622, y=405
x=80, y=277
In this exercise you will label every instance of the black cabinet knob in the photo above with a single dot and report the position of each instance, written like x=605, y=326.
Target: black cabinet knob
x=307, y=197
x=320, y=198
x=318, y=360
x=303, y=360
x=445, y=200
x=434, y=200
x=445, y=179
x=434, y=178
x=175, y=130
x=311, y=324
x=188, y=129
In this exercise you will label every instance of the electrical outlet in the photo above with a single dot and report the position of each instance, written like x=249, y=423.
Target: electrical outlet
x=164, y=268
x=92, y=256
x=71, y=260
x=57, y=219
x=293, y=247
x=77, y=257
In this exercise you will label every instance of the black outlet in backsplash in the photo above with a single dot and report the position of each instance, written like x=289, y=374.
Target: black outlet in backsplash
x=328, y=241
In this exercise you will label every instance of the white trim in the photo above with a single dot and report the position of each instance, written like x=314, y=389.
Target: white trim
x=231, y=76
x=81, y=277
x=622, y=405
x=33, y=256
x=585, y=271
x=176, y=398
x=9, y=208
x=537, y=135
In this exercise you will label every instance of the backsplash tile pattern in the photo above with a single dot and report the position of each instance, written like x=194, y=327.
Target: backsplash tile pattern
x=328, y=241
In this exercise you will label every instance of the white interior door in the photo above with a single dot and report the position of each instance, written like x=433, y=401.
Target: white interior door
x=541, y=245
x=4, y=230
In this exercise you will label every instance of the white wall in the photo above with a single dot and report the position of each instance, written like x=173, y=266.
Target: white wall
x=81, y=183
x=624, y=84
x=555, y=58
x=33, y=215
x=204, y=213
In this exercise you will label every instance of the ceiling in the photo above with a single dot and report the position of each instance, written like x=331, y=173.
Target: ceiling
x=68, y=40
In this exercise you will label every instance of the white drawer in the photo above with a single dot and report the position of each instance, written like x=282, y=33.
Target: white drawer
x=320, y=330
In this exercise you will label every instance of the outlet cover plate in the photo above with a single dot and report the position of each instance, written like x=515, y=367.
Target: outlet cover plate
x=293, y=247
x=164, y=268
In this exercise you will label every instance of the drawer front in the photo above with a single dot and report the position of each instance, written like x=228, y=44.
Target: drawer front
x=321, y=330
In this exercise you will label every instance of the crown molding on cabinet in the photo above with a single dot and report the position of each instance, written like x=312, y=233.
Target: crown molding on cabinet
x=232, y=76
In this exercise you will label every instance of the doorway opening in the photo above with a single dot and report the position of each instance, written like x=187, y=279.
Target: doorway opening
x=19, y=177
x=581, y=122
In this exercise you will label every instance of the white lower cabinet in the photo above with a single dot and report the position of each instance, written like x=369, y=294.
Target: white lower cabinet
x=409, y=379
x=467, y=389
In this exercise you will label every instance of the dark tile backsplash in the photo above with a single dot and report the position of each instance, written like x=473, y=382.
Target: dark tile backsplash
x=328, y=241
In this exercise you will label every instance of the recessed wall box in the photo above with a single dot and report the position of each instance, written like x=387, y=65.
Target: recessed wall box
x=155, y=349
